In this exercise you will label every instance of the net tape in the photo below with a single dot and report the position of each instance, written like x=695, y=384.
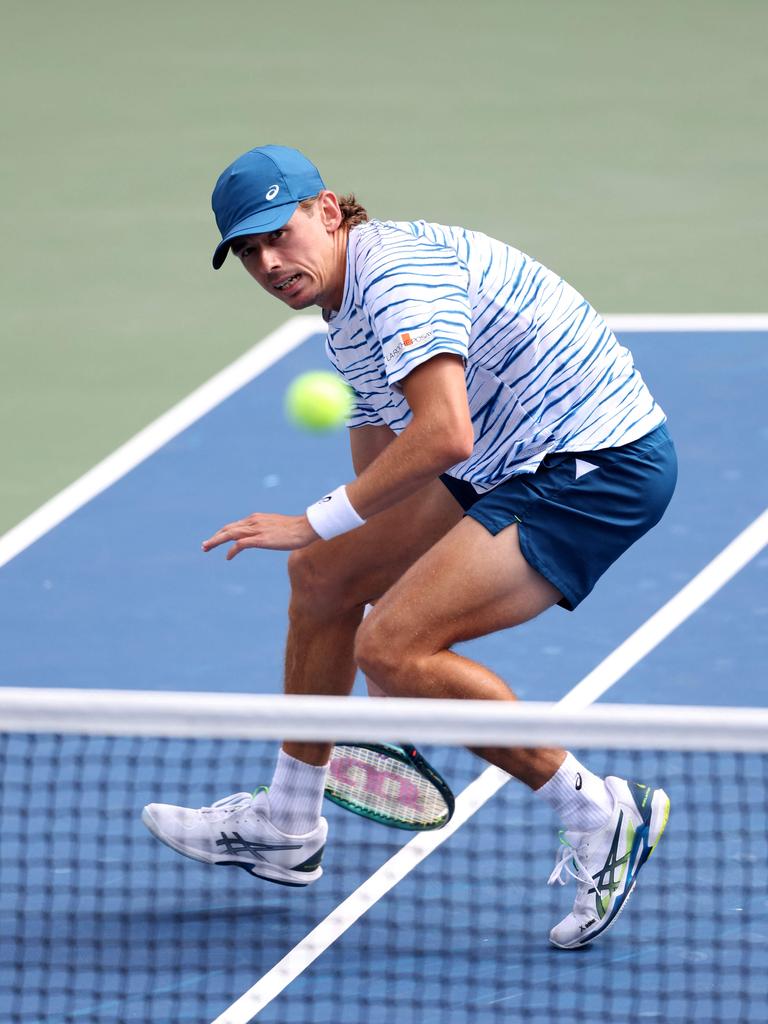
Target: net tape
x=449, y=722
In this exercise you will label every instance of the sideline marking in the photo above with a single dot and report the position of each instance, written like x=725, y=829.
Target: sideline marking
x=723, y=567
x=182, y=415
x=700, y=589
x=684, y=322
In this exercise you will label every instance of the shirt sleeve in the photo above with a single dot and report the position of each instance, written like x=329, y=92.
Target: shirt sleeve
x=416, y=300
x=364, y=415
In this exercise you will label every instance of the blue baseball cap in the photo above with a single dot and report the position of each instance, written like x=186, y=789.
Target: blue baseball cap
x=260, y=192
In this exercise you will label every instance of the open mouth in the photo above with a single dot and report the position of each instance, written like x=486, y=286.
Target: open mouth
x=288, y=283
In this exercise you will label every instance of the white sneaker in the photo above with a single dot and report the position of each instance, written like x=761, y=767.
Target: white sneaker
x=605, y=863
x=237, y=831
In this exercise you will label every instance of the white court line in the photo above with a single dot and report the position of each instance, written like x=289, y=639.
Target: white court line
x=687, y=322
x=125, y=458
x=701, y=588
x=694, y=594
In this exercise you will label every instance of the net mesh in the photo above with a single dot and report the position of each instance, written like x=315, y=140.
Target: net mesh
x=103, y=924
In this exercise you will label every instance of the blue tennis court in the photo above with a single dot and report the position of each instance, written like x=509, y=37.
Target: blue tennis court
x=119, y=596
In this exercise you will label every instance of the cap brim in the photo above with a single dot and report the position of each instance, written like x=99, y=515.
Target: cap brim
x=258, y=223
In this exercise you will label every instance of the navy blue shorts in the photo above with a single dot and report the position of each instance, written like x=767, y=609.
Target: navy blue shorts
x=580, y=510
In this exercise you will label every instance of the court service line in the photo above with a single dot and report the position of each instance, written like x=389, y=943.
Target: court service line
x=693, y=595
x=687, y=322
x=182, y=415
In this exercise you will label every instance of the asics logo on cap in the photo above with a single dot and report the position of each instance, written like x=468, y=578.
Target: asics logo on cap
x=272, y=192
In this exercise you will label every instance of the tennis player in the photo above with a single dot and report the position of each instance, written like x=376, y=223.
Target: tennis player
x=506, y=453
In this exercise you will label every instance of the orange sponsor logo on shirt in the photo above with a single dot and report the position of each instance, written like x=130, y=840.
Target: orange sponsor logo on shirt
x=406, y=338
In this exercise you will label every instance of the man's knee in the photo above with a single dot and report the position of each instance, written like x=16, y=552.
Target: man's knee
x=380, y=656
x=310, y=579
x=320, y=585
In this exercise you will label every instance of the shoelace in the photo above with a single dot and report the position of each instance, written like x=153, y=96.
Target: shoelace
x=229, y=805
x=568, y=857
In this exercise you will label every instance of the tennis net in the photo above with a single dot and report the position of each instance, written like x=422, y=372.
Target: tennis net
x=103, y=924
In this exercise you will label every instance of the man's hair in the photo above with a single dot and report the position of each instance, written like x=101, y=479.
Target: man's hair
x=352, y=212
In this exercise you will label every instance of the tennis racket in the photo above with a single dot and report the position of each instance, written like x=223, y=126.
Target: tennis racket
x=388, y=783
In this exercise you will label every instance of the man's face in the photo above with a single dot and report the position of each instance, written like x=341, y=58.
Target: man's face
x=301, y=263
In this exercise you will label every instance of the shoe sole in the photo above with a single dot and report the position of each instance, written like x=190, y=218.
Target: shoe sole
x=280, y=876
x=659, y=817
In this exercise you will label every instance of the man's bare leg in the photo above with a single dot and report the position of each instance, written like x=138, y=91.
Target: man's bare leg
x=468, y=585
x=331, y=584
x=471, y=584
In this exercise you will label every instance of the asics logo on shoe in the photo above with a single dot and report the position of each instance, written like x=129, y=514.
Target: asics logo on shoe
x=578, y=780
x=236, y=844
x=607, y=881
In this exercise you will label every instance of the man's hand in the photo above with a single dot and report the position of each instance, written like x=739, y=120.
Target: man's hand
x=263, y=530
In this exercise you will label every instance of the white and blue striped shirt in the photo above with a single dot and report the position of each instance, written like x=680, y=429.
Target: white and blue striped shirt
x=544, y=372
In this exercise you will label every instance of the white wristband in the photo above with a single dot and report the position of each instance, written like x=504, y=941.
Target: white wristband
x=333, y=515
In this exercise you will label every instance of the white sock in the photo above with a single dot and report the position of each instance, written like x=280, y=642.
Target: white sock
x=296, y=795
x=580, y=798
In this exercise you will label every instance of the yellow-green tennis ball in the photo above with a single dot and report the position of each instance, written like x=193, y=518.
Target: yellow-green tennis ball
x=318, y=400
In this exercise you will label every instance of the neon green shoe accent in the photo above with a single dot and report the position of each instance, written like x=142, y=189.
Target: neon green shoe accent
x=630, y=834
x=663, y=826
x=260, y=789
x=630, y=840
x=615, y=880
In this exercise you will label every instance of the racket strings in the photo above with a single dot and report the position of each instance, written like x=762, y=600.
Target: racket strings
x=384, y=786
